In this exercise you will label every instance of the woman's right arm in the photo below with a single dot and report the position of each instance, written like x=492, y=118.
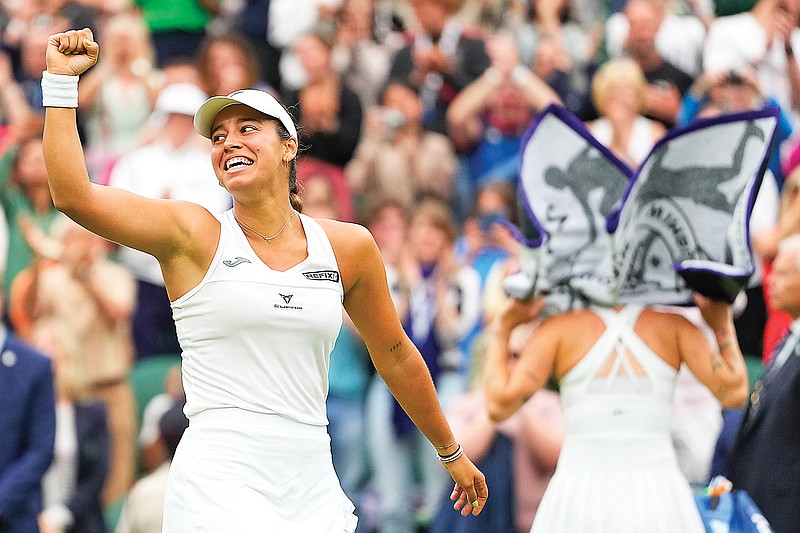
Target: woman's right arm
x=162, y=228
x=509, y=384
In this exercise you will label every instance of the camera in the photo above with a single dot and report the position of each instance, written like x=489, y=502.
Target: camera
x=393, y=119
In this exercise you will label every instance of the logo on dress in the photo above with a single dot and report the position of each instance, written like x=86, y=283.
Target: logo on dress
x=286, y=298
x=323, y=275
x=238, y=261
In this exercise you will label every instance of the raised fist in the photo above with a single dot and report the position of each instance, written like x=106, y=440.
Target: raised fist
x=71, y=53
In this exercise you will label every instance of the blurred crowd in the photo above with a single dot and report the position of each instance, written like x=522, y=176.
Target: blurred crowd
x=411, y=114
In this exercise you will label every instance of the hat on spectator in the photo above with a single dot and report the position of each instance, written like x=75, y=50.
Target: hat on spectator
x=261, y=101
x=179, y=99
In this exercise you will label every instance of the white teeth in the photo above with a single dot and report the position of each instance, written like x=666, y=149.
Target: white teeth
x=237, y=161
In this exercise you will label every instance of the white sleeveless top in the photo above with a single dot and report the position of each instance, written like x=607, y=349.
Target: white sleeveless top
x=258, y=339
x=617, y=471
x=620, y=385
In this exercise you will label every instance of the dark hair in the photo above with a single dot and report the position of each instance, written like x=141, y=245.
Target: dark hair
x=294, y=186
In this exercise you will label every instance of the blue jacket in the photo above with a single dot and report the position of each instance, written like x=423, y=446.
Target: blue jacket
x=27, y=432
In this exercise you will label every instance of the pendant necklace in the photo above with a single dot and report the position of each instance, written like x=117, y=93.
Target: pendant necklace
x=268, y=239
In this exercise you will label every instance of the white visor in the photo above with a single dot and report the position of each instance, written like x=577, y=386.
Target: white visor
x=261, y=101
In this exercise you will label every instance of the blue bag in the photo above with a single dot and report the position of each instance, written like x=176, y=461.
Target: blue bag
x=731, y=512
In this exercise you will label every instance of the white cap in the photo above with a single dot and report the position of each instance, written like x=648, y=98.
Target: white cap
x=179, y=99
x=261, y=101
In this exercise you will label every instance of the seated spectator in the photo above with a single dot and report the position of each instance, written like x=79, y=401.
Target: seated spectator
x=143, y=511
x=151, y=448
x=363, y=50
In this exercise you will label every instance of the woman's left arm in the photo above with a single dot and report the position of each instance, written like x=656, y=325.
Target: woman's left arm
x=395, y=357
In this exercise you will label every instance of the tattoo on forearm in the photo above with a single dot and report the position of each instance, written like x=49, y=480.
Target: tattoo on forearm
x=396, y=346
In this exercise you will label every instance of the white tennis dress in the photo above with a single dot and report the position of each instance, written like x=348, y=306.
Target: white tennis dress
x=618, y=472
x=256, y=343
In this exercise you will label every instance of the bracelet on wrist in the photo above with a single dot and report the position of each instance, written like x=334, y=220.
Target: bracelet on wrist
x=446, y=445
x=453, y=456
x=59, y=90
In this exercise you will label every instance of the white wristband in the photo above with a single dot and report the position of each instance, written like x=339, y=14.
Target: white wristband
x=59, y=90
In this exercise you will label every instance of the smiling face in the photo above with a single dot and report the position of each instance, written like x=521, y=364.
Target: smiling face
x=246, y=148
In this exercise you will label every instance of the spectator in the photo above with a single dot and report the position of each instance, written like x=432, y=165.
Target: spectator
x=17, y=115
x=619, y=94
x=72, y=281
x=439, y=306
x=24, y=192
x=74, y=482
x=152, y=449
x=363, y=49
x=771, y=32
x=27, y=432
x=769, y=428
x=177, y=27
x=326, y=185
x=766, y=244
x=252, y=22
x=666, y=83
x=118, y=97
x=286, y=25
x=227, y=63
x=441, y=59
x=143, y=511
x=679, y=38
x=174, y=167
x=328, y=111
x=396, y=158
x=550, y=21
x=489, y=117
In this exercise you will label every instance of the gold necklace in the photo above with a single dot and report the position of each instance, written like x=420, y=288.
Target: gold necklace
x=268, y=239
